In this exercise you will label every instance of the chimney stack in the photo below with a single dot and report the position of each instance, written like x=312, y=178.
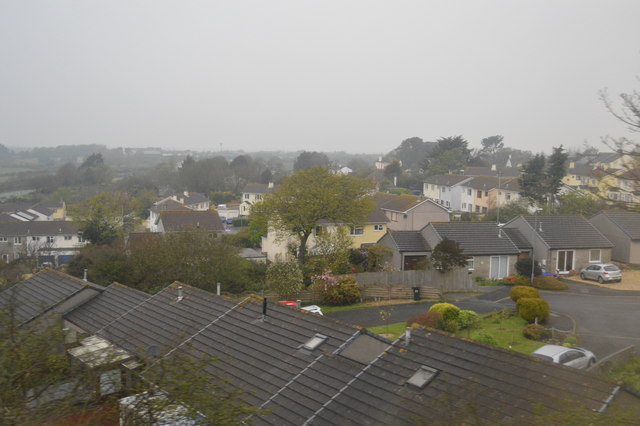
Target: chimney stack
x=270, y=185
x=180, y=295
x=407, y=336
x=264, y=308
x=84, y=277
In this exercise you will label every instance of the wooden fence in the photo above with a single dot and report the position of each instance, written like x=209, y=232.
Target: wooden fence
x=398, y=285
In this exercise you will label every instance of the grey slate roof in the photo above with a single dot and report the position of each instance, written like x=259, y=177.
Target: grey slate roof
x=409, y=241
x=43, y=228
x=477, y=238
x=259, y=188
x=628, y=222
x=190, y=220
x=565, y=232
x=474, y=383
x=168, y=205
x=446, y=180
x=109, y=305
x=517, y=238
x=486, y=171
x=41, y=292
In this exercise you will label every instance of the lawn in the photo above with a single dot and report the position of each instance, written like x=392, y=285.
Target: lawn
x=507, y=333
x=327, y=309
x=629, y=373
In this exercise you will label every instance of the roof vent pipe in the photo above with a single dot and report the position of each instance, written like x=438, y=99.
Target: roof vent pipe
x=84, y=275
x=180, y=295
x=264, y=308
x=407, y=336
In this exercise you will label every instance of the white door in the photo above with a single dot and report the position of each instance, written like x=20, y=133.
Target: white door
x=499, y=267
x=565, y=260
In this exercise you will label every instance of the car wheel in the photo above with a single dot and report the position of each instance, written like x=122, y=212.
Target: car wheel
x=600, y=280
x=582, y=277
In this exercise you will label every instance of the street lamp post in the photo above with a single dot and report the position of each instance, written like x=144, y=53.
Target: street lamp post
x=533, y=247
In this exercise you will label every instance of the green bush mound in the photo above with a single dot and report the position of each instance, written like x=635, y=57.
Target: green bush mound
x=521, y=291
x=468, y=319
x=448, y=311
x=531, y=308
x=428, y=319
x=548, y=283
x=344, y=293
x=535, y=332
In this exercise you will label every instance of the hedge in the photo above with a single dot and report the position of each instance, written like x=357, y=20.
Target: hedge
x=521, y=291
x=548, y=283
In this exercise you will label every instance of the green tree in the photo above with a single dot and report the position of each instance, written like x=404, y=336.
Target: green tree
x=508, y=211
x=309, y=196
x=585, y=204
x=450, y=153
x=309, y=160
x=542, y=179
x=491, y=146
x=331, y=251
x=448, y=255
x=285, y=278
x=105, y=216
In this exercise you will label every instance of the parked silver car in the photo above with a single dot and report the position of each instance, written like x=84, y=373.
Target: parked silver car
x=571, y=357
x=602, y=272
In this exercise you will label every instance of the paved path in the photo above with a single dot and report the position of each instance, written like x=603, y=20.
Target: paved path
x=605, y=320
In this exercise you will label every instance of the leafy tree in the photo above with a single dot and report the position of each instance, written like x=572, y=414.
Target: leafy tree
x=331, y=251
x=105, y=264
x=450, y=153
x=585, y=204
x=309, y=196
x=94, y=171
x=285, y=278
x=491, y=145
x=411, y=151
x=105, y=216
x=309, y=160
x=523, y=267
x=508, y=211
x=541, y=180
x=448, y=255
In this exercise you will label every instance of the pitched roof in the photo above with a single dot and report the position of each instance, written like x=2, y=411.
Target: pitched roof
x=487, y=183
x=376, y=216
x=408, y=241
x=628, y=222
x=38, y=228
x=190, y=220
x=109, y=305
x=446, y=180
x=473, y=382
x=194, y=198
x=259, y=188
x=398, y=203
x=477, y=238
x=487, y=171
x=41, y=292
x=168, y=205
x=565, y=232
x=517, y=238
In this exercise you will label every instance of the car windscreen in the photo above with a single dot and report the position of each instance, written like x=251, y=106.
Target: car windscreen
x=548, y=358
x=611, y=268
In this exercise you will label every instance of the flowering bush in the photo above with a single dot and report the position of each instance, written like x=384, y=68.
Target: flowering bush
x=343, y=291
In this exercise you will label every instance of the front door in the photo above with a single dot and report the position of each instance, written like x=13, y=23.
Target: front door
x=499, y=267
x=565, y=260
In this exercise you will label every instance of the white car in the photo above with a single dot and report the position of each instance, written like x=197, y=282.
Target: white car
x=572, y=357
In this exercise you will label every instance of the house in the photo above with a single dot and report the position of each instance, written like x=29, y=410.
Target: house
x=491, y=250
x=277, y=246
x=166, y=205
x=303, y=368
x=27, y=211
x=192, y=200
x=490, y=192
x=446, y=190
x=493, y=170
x=254, y=192
x=624, y=186
x=562, y=243
x=189, y=221
x=409, y=212
x=623, y=230
x=53, y=242
x=229, y=210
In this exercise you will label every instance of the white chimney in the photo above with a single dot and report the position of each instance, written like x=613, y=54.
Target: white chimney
x=493, y=168
x=180, y=295
x=270, y=185
x=407, y=336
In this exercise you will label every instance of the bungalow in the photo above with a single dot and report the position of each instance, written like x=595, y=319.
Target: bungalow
x=54, y=242
x=27, y=211
x=623, y=230
x=303, y=368
x=409, y=212
x=563, y=243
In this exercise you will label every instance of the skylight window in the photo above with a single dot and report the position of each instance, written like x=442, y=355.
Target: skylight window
x=422, y=377
x=314, y=342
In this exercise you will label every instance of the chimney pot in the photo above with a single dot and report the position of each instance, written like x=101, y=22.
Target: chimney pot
x=180, y=295
x=84, y=275
x=407, y=336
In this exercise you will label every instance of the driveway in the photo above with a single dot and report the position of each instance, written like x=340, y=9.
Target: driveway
x=605, y=319
x=630, y=281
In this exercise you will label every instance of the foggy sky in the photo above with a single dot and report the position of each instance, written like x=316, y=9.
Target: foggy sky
x=358, y=76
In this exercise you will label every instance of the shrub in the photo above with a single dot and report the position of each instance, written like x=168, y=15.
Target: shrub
x=285, y=278
x=548, y=282
x=570, y=341
x=535, y=332
x=516, y=279
x=487, y=338
x=334, y=291
x=448, y=311
x=428, y=319
x=523, y=266
x=467, y=319
x=531, y=308
x=521, y=291
x=450, y=326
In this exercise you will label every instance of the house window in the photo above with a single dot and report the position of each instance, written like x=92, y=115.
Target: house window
x=471, y=263
x=469, y=191
x=479, y=194
x=508, y=196
x=444, y=189
x=35, y=238
x=5, y=257
x=318, y=230
x=464, y=206
x=447, y=203
x=565, y=260
x=477, y=209
x=80, y=239
x=246, y=196
x=378, y=227
x=258, y=197
x=595, y=256
x=51, y=239
x=486, y=193
x=356, y=230
x=3, y=239
x=67, y=237
x=484, y=210
x=17, y=240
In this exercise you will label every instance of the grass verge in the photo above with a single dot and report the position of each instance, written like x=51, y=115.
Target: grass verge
x=327, y=309
x=505, y=332
x=628, y=373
